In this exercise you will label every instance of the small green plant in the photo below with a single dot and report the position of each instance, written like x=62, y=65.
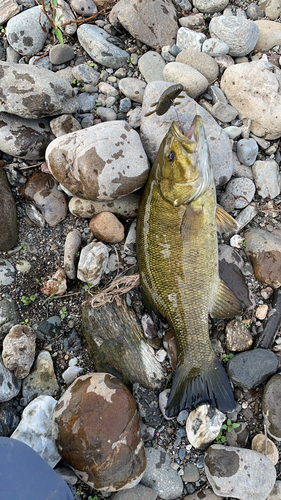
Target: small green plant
x=227, y=357
x=38, y=282
x=130, y=60
x=23, y=247
x=78, y=492
x=2, y=29
x=77, y=254
x=247, y=323
x=243, y=244
x=93, y=498
x=63, y=312
x=96, y=105
x=25, y=322
x=50, y=11
x=92, y=64
x=86, y=287
x=220, y=439
x=76, y=82
x=27, y=300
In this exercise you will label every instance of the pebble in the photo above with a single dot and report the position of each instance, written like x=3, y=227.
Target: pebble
x=48, y=329
x=240, y=170
x=24, y=32
x=151, y=66
x=207, y=494
x=35, y=428
x=239, y=473
x=9, y=417
x=233, y=132
x=211, y=6
x=130, y=241
x=101, y=395
x=200, y=61
x=190, y=78
x=8, y=9
x=247, y=150
x=238, y=337
x=8, y=221
x=267, y=178
x=84, y=8
x=10, y=384
x=139, y=492
x=242, y=189
x=160, y=476
x=41, y=380
x=94, y=41
x=134, y=117
x=19, y=350
x=215, y=47
x=106, y=227
x=251, y=368
x=254, y=12
x=223, y=112
x=85, y=74
x=246, y=215
x=71, y=373
x=8, y=315
x=92, y=262
x=240, y=34
x=7, y=272
x=203, y=425
x=275, y=493
x=71, y=247
x=189, y=39
x=63, y=14
x=55, y=285
x=260, y=443
x=64, y=124
x=67, y=475
x=23, y=266
x=60, y=55
x=163, y=400
x=261, y=311
x=238, y=436
x=271, y=408
x=132, y=88
x=106, y=114
x=264, y=251
x=86, y=102
x=127, y=206
x=269, y=35
x=125, y=105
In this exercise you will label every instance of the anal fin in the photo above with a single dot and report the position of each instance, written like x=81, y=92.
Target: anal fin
x=224, y=221
x=225, y=303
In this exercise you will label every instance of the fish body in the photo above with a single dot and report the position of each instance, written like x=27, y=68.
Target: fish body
x=177, y=254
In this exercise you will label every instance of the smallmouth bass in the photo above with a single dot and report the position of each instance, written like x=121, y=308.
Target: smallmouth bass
x=177, y=252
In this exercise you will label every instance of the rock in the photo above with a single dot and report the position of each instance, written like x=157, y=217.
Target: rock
x=71, y=247
x=97, y=163
x=265, y=446
x=269, y=35
x=238, y=337
x=275, y=492
x=267, y=178
x=266, y=338
x=240, y=170
x=15, y=177
x=86, y=102
x=264, y=251
x=8, y=9
x=106, y=114
x=60, y=55
x=8, y=221
x=163, y=400
x=242, y=189
x=271, y=407
x=71, y=373
x=84, y=8
x=253, y=12
x=252, y=368
x=261, y=311
x=56, y=285
x=238, y=436
x=19, y=350
x=240, y=34
x=48, y=329
x=92, y=263
x=223, y=112
x=8, y=315
x=41, y=380
x=139, y=492
x=262, y=108
x=67, y=475
x=271, y=8
x=191, y=473
x=23, y=266
x=233, y=133
x=131, y=239
x=151, y=66
x=132, y=88
x=135, y=361
x=211, y=6
x=9, y=417
x=101, y=46
x=106, y=227
x=247, y=150
x=160, y=476
x=200, y=61
x=207, y=494
x=35, y=428
x=194, y=22
x=10, y=385
x=85, y=74
x=215, y=47
x=100, y=401
x=7, y=272
x=189, y=39
x=203, y=425
x=32, y=93
x=154, y=128
x=238, y=472
x=27, y=474
x=125, y=105
x=154, y=23
x=24, y=31
x=34, y=215
x=127, y=206
x=63, y=14
x=24, y=138
x=64, y=124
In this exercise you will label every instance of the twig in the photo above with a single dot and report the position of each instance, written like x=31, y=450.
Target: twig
x=265, y=443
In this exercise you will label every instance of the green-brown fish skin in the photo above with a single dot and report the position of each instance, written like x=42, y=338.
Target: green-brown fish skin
x=177, y=254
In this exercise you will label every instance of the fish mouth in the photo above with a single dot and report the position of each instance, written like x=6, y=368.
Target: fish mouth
x=195, y=133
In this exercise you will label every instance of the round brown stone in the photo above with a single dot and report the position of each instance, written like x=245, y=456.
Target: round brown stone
x=106, y=227
x=96, y=430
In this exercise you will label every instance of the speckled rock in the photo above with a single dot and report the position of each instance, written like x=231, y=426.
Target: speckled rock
x=97, y=163
x=41, y=380
x=187, y=76
x=251, y=368
x=30, y=92
x=85, y=74
x=35, y=428
x=55, y=285
x=238, y=337
x=19, y=350
x=92, y=262
x=269, y=34
x=275, y=493
x=211, y=6
x=203, y=425
x=247, y=150
x=71, y=247
x=127, y=206
x=84, y=8
x=240, y=34
x=10, y=384
x=24, y=138
x=271, y=406
x=239, y=473
x=215, y=47
x=207, y=494
x=160, y=476
x=154, y=23
x=8, y=221
x=97, y=409
x=200, y=61
x=262, y=443
x=264, y=250
x=238, y=436
x=154, y=128
x=106, y=227
x=64, y=124
x=244, y=84
x=267, y=178
x=132, y=88
x=24, y=32
x=42, y=190
x=243, y=190
x=189, y=39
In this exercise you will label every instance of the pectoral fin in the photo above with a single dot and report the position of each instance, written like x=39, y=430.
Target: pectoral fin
x=224, y=221
x=190, y=221
x=225, y=304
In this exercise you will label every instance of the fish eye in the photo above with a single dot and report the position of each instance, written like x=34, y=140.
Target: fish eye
x=171, y=156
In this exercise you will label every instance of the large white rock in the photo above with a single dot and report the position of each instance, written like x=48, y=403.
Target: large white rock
x=92, y=263
x=203, y=425
x=254, y=90
x=240, y=34
x=267, y=178
x=188, y=77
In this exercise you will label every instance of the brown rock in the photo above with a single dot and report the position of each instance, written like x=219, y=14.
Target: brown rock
x=261, y=443
x=205, y=64
x=264, y=250
x=269, y=35
x=261, y=311
x=96, y=430
x=8, y=9
x=271, y=406
x=19, y=350
x=56, y=285
x=8, y=220
x=106, y=227
x=238, y=337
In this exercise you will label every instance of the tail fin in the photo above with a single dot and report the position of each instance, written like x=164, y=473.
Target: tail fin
x=206, y=384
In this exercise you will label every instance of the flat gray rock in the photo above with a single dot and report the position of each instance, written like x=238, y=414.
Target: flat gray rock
x=41, y=380
x=32, y=92
x=25, y=33
x=7, y=272
x=10, y=384
x=151, y=66
x=8, y=220
x=160, y=476
x=251, y=368
x=267, y=178
x=154, y=128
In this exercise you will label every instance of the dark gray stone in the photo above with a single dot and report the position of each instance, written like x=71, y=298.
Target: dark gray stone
x=252, y=368
x=9, y=384
x=48, y=329
x=9, y=417
x=266, y=338
x=8, y=220
x=8, y=315
x=60, y=55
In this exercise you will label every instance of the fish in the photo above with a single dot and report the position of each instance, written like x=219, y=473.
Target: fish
x=167, y=99
x=177, y=252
